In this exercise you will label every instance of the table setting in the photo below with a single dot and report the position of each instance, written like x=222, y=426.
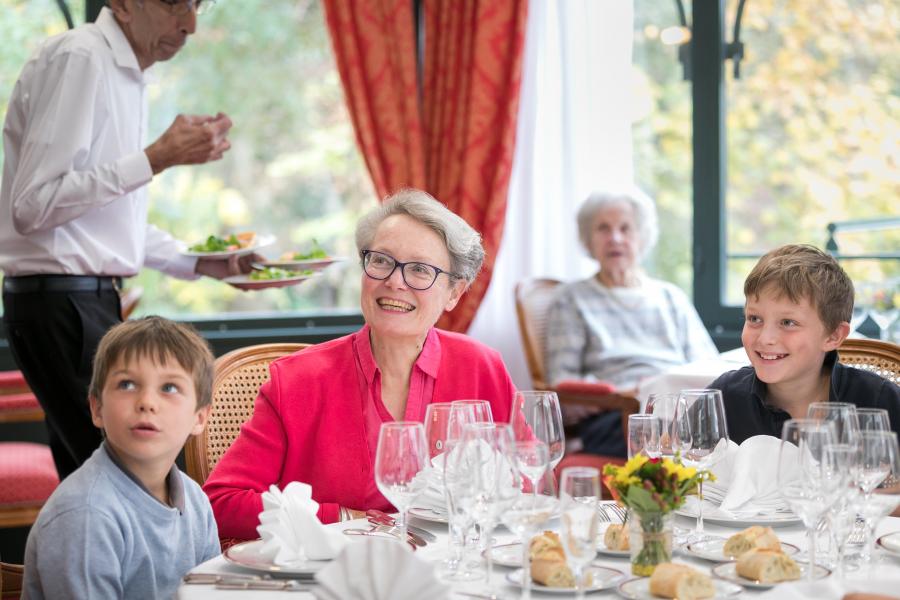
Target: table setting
x=503, y=509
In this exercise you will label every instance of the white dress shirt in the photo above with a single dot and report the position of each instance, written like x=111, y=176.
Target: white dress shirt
x=73, y=198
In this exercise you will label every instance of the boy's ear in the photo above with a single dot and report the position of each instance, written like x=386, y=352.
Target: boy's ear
x=837, y=337
x=96, y=418
x=202, y=416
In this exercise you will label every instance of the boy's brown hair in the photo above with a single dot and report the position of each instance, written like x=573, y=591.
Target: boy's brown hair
x=160, y=340
x=801, y=271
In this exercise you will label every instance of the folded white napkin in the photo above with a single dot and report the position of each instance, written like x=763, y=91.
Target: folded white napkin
x=433, y=497
x=290, y=530
x=746, y=480
x=378, y=569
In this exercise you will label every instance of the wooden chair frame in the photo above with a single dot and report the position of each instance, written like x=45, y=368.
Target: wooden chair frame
x=881, y=358
x=228, y=366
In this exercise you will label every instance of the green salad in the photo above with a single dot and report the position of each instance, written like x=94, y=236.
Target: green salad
x=316, y=252
x=216, y=244
x=274, y=273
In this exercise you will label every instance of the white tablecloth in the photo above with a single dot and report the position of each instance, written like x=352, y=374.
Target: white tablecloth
x=697, y=374
x=884, y=579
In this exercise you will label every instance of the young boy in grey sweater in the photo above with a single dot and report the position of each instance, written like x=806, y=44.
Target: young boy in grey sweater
x=128, y=523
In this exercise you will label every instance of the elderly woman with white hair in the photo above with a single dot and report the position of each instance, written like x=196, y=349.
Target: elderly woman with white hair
x=317, y=419
x=619, y=325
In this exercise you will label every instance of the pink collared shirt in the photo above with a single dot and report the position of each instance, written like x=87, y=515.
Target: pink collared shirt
x=318, y=417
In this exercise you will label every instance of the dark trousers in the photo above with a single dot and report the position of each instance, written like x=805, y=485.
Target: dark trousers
x=53, y=336
x=602, y=434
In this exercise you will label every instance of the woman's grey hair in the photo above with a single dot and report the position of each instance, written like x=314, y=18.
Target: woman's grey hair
x=463, y=243
x=644, y=215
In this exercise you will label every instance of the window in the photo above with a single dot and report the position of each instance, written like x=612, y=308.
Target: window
x=293, y=169
x=813, y=126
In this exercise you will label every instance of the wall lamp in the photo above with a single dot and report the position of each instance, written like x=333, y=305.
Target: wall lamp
x=680, y=35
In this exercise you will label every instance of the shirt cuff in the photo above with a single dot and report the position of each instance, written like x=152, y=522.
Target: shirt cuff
x=134, y=171
x=183, y=267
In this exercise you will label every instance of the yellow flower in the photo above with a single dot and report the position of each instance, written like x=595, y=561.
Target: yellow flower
x=634, y=463
x=681, y=471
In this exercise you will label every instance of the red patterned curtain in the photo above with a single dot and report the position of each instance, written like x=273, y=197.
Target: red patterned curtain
x=459, y=145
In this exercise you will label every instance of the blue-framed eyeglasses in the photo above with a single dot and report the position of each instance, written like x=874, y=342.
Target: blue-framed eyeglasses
x=417, y=275
x=179, y=8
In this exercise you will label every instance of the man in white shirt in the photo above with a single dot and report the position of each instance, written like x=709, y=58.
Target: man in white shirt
x=73, y=199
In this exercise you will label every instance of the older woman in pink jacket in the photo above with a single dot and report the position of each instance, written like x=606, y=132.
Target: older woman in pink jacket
x=317, y=419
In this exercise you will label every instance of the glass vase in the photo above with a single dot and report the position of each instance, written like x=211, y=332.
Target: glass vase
x=650, y=540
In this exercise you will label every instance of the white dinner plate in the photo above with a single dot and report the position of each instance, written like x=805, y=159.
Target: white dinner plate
x=890, y=543
x=243, y=282
x=261, y=241
x=639, y=589
x=728, y=572
x=776, y=519
x=249, y=555
x=506, y=555
x=313, y=264
x=428, y=514
x=602, y=578
x=712, y=548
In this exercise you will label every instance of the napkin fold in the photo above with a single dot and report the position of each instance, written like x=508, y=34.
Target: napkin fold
x=433, y=497
x=492, y=467
x=378, y=569
x=290, y=529
x=746, y=482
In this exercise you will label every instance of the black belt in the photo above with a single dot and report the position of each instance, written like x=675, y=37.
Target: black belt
x=59, y=283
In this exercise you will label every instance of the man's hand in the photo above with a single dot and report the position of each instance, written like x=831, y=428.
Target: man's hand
x=190, y=140
x=220, y=268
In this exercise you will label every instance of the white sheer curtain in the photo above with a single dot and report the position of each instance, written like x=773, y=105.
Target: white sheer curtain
x=574, y=136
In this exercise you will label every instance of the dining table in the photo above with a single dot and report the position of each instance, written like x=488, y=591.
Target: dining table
x=883, y=576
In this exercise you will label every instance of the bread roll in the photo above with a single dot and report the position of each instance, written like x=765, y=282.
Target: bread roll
x=750, y=538
x=548, y=561
x=673, y=580
x=616, y=537
x=767, y=566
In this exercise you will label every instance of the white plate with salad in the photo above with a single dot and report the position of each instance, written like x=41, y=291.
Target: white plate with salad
x=268, y=277
x=315, y=259
x=235, y=244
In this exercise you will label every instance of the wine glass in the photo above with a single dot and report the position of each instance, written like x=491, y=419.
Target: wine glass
x=705, y=418
x=579, y=493
x=643, y=435
x=486, y=481
x=537, y=414
x=878, y=476
x=441, y=442
x=801, y=475
x=530, y=508
x=675, y=435
x=469, y=411
x=842, y=415
x=873, y=419
x=840, y=463
x=401, y=466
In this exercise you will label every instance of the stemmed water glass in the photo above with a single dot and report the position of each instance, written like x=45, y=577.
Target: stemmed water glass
x=873, y=419
x=530, y=508
x=537, y=414
x=842, y=415
x=579, y=493
x=401, y=466
x=705, y=418
x=486, y=477
x=442, y=439
x=644, y=432
x=802, y=474
x=878, y=476
x=839, y=467
x=675, y=434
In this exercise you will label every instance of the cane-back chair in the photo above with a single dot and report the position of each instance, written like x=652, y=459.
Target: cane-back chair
x=881, y=358
x=238, y=377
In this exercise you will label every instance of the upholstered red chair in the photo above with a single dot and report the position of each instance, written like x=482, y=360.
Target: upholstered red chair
x=27, y=472
x=533, y=300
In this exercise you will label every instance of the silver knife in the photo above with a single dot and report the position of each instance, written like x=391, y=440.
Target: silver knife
x=382, y=518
